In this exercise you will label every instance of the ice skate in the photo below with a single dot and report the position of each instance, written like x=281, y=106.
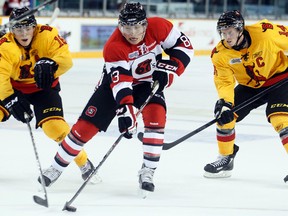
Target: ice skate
x=146, y=180
x=50, y=175
x=86, y=169
x=222, y=167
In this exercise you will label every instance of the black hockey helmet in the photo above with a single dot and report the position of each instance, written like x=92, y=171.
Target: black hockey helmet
x=230, y=19
x=132, y=14
x=28, y=21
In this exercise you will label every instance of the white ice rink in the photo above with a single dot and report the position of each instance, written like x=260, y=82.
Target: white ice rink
x=256, y=187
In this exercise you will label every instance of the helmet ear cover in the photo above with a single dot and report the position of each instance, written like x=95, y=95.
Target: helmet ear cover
x=132, y=14
x=28, y=21
x=230, y=19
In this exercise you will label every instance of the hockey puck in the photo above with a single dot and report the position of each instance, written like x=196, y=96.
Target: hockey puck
x=69, y=208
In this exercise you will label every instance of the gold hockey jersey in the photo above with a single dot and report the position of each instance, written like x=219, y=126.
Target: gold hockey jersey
x=263, y=63
x=17, y=63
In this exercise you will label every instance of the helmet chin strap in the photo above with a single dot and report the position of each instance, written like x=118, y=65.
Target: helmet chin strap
x=242, y=43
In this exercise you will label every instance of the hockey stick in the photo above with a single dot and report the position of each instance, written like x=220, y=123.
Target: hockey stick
x=67, y=205
x=167, y=146
x=26, y=14
x=54, y=16
x=68, y=34
x=37, y=199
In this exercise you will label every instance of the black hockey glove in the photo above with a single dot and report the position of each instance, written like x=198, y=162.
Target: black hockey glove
x=222, y=112
x=44, y=71
x=127, y=120
x=165, y=69
x=17, y=105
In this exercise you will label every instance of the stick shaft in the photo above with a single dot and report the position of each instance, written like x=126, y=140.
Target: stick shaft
x=167, y=146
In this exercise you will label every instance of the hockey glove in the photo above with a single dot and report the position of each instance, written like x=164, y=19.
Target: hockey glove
x=44, y=71
x=164, y=73
x=127, y=120
x=17, y=105
x=222, y=112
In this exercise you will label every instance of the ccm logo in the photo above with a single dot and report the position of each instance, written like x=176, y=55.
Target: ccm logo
x=11, y=103
x=162, y=65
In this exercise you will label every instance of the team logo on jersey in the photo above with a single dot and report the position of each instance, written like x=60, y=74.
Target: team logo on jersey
x=254, y=74
x=143, y=49
x=25, y=71
x=266, y=26
x=91, y=111
x=143, y=67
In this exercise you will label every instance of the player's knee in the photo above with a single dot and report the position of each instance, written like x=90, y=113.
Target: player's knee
x=154, y=116
x=84, y=130
x=56, y=129
x=279, y=122
x=228, y=126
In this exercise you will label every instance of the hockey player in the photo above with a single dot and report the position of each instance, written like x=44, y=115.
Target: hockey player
x=133, y=59
x=32, y=57
x=253, y=56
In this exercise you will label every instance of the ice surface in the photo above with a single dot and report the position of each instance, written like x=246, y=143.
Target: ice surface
x=255, y=188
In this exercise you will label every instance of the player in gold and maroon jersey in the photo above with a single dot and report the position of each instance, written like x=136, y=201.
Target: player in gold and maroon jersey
x=32, y=58
x=253, y=57
x=133, y=60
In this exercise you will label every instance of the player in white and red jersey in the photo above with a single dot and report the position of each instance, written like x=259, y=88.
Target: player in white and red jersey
x=32, y=58
x=133, y=60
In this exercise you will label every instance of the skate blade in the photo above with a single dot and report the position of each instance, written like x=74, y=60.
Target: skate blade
x=143, y=193
x=221, y=174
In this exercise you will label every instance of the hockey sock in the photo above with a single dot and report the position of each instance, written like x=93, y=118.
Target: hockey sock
x=152, y=146
x=154, y=116
x=68, y=150
x=57, y=129
x=225, y=138
x=284, y=138
x=280, y=124
x=71, y=146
